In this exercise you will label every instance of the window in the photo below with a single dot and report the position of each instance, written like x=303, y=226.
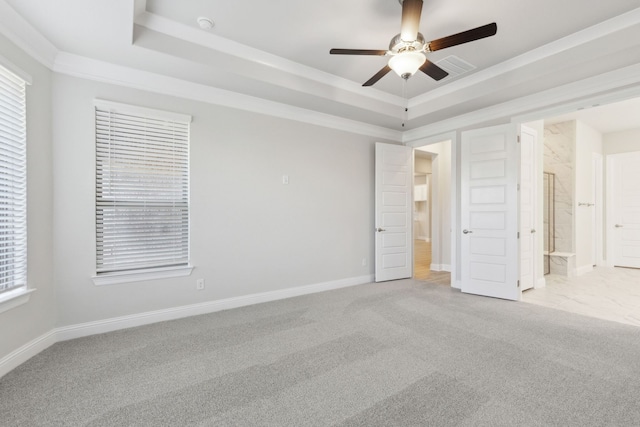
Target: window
x=142, y=189
x=13, y=182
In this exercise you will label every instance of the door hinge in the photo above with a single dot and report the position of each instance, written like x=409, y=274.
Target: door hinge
x=518, y=138
x=518, y=234
x=518, y=285
x=518, y=187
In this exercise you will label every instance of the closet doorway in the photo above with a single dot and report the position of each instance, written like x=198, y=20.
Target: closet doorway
x=431, y=214
x=422, y=196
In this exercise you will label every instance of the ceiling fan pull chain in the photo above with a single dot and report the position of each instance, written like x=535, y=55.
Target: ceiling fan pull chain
x=405, y=113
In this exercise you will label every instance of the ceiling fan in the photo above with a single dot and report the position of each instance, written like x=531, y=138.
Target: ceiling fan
x=408, y=49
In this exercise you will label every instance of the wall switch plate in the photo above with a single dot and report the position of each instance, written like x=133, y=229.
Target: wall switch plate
x=285, y=179
x=200, y=284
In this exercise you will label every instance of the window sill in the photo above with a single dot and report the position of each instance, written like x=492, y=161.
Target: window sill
x=140, y=275
x=15, y=298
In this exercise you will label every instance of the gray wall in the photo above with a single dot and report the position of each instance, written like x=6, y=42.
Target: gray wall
x=24, y=323
x=249, y=232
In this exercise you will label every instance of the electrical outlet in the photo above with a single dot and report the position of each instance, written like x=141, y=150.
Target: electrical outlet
x=364, y=262
x=200, y=284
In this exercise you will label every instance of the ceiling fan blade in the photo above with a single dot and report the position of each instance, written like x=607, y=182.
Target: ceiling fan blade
x=464, y=37
x=357, y=52
x=411, y=11
x=380, y=74
x=433, y=71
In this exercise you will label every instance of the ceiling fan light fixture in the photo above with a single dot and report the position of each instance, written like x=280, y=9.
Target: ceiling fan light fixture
x=405, y=64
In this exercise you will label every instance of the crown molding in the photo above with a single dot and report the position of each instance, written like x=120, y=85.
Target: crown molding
x=212, y=41
x=105, y=72
x=612, y=86
x=609, y=97
x=139, y=7
x=26, y=37
x=579, y=38
x=20, y=32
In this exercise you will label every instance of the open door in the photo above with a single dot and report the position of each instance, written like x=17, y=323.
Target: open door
x=626, y=209
x=489, y=212
x=393, y=205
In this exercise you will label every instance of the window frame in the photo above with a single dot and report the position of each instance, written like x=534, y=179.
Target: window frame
x=145, y=273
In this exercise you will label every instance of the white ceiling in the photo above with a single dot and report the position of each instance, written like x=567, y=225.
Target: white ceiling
x=278, y=50
x=304, y=31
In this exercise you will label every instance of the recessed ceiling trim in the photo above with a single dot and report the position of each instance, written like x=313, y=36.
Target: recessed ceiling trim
x=595, y=101
x=26, y=37
x=608, y=87
x=174, y=29
x=139, y=7
x=106, y=72
x=585, y=36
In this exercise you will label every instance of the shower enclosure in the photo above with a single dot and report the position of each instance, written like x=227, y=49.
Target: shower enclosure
x=549, y=180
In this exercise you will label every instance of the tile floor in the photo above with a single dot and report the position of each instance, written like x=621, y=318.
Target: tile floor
x=605, y=293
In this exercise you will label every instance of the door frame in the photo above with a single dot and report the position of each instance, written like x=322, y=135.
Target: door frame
x=598, y=236
x=434, y=215
x=453, y=139
x=609, y=221
x=536, y=209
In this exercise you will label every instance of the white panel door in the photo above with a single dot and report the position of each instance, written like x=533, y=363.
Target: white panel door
x=394, y=184
x=527, y=193
x=489, y=212
x=626, y=194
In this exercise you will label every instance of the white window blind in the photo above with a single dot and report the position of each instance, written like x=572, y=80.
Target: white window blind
x=13, y=182
x=142, y=190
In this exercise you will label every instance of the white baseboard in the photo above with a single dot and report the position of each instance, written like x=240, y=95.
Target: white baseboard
x=26, y=352
x=457, y=284
x=139, y=319
x=584, y=269
x=440, y=267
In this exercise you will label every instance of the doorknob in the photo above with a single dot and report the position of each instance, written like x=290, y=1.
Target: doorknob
x=467, y=231
x=380, y=229
x=619, y=226
x=533, y=230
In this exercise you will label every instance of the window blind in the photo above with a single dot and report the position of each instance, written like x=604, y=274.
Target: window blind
x=142, y=191
x=13, y=182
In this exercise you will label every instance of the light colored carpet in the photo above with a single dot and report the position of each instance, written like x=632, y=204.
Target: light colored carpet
x=400, y=353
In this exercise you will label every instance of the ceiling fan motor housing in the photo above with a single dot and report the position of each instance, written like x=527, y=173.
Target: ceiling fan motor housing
x=397, y=45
